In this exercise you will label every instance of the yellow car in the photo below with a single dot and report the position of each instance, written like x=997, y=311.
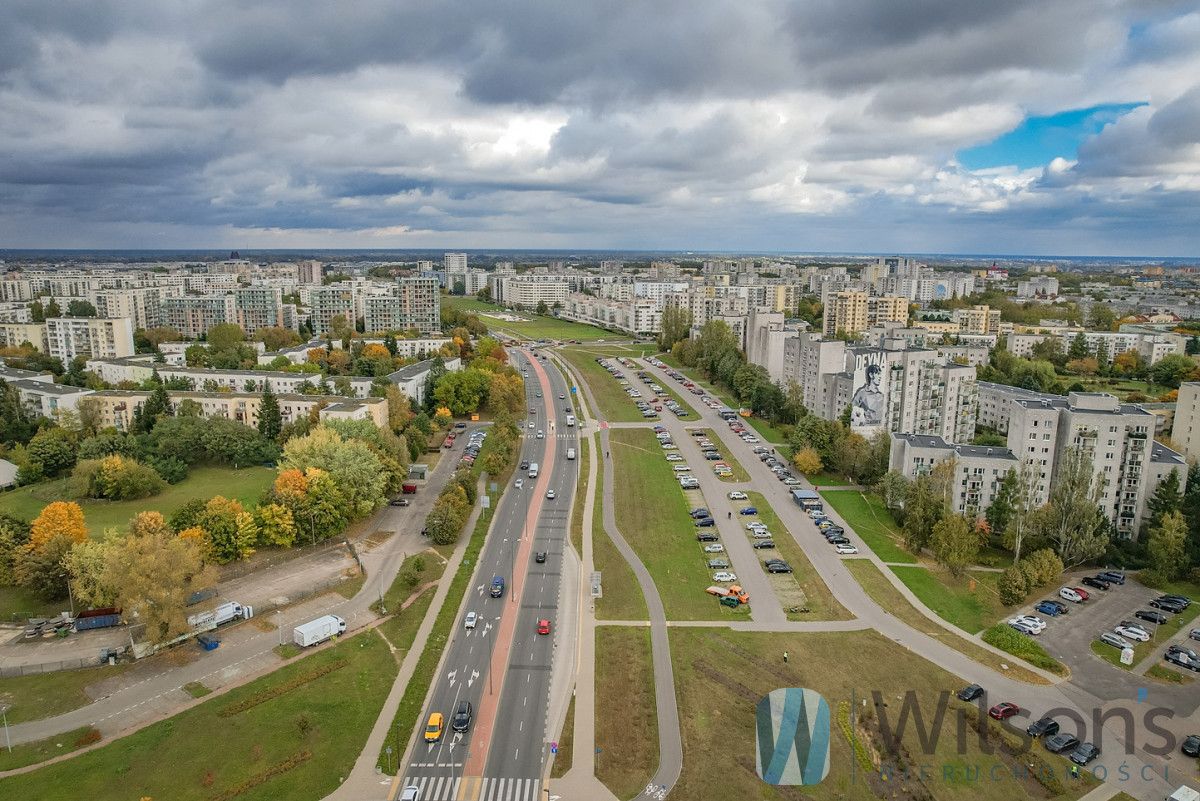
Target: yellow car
x=433, y=729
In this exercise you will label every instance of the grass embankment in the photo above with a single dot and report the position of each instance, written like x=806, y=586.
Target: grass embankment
x=1009, y=640
x=418, y=570
x=720, y=675
x=885, y=594
x=652, y=514
x=41, y=750
x=623, y=598
x=817, y=597
x=626, y=718
x=535, y=326
x=246, y=485
x=615, y=404
x=971, y=602
x=291, y=734
x=566, y=744
x=1169, y=675
x=45, y=695
x=581, y=491
x=766, y=431
x=739, y=474
x=871, y=521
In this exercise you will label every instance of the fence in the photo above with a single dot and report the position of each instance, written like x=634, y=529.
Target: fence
x=14, y=671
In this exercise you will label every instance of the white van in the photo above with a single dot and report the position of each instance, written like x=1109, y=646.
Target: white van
x=570, y=453
x=533, y=470
x=570, y=419
x=1068, y=594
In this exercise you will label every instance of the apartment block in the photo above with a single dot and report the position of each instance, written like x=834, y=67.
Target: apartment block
x=853, y=311
x=13, y=335
x=977, y=320
x=527, y=291
x=410, y=303
x=327, y=302
x=1152, y=347
x=637, y=316
x=1185, y=432
x=258, y=307
x=310, y=271
x=766, y=336
x=94, y=337
x=979, y=470
x=116, y=407
x=193, y=315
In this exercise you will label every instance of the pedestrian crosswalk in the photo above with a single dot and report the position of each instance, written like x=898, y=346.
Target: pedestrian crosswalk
x=474, y=788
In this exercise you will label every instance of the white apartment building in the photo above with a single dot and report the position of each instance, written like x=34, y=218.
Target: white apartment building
x=409, y=303
x=193, y=315
x=640, y=317
x=94, y=337
x=117, y=406
x=1042, y=286
x=528, y=290
x=1152, y=347
x=979, y=470
x=766, y=336
x=258, y=307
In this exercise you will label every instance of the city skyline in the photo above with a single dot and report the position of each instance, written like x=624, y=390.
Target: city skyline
x=827, y=127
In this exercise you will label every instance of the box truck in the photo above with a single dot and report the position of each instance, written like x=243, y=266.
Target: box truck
x=570, y=453
x=210, y=619
x=533, y=470
x=570, y=420
x=319, y=630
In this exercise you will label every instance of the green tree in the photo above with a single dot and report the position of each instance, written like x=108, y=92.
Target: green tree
x=225, y=336
x=352, y=465
x=157, y=406
x=922, y=511
x=1000, y=510
x=16, y=424
x=81, y=308
x=54, y=449
x=1101, y=317
x=1072, y=520
x=1172, y=370
x=676, y=322
x=955, y=543
x=270, y=420
x=1022, y=503
x=1078, y=348
x=1012, y=586
x=1191, y=512
x=1167, y=547
x=542, y=308
x=1166, y=499
x=43, y=570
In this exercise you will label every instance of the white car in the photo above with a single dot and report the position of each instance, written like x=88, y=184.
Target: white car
x=724, y=575
x=1068, y=594
x=846, y=549
x=761, y=534
x=550, y=494
x=674, y=457
x=520, y=483
x=410, y=793
x=737, y=495
x=1032, y=621
x=714, y=548
x=816, y=514
x=1133, y=633
x=755, y=524
x=470, y=620
x=681, y=468
x=669, y=446
x=541, y=434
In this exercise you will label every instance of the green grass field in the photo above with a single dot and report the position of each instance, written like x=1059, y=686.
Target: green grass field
x=581, y=491
x=652, y=514
x=246, y=485
x=870, y=519
x=615, y=405
x=623, y=598
x=626, y=720
x=321, y=724
x=884, y=593
x=972, y=602
x=18, y=604
x=44, y=695
x=720, y=676
x=537, y=327
x=401, y=626
x=818, y=598
x=41, y=750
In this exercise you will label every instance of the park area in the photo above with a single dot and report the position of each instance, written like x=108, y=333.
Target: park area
x=532, y=326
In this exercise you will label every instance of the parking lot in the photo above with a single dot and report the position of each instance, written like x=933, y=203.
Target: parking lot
x=1069, y=639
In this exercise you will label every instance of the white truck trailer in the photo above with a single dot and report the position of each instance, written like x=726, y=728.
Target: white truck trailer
x=210, y=619
x=319, y=630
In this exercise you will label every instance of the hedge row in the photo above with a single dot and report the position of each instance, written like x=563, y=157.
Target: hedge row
x=251, y=782
x=262, y=696
x=1011, y=641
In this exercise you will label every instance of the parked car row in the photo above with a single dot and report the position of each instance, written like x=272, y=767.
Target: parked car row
x=834, y=534
x=474, y=445
x=1045, y=728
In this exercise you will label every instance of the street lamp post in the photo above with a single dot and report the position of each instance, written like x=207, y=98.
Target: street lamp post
x=7, y=740
x=279, y=624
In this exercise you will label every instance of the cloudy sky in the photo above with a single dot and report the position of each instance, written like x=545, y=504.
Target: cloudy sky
x=969, y=126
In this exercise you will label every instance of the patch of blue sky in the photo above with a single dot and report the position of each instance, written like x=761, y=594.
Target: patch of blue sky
x=1039, y=140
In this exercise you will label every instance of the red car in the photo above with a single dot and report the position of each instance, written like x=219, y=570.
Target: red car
x=543, y=626
x=1082, y=592
x=1003, y=710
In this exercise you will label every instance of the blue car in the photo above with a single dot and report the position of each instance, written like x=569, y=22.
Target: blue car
x=749, y=510
x=1047, y=608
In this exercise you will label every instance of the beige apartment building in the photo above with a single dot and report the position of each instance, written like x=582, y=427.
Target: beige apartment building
x=854, y=311
x=117, y=406
x=94, y=337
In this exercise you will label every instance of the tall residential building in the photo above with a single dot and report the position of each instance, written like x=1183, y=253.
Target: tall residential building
x=327, y=302
x=765, y=341
x=979, y=470
x=454, y=263
x=854, y=311
x=410, y=303
x=13, y=335
x=310, y=271
x=527, y=291
x=258, y=307
x=978, y=320
x=193, y=315
x=94, y=337
x=1186, y=430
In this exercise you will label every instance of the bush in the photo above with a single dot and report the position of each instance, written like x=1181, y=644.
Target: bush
x=1011, y=641
x=171, y=470
x=1152, y=579
x=1030, y=573
x=116, y=478
x=1012, y=586
x=90, y=736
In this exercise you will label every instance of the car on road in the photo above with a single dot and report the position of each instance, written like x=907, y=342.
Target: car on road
x=1042, y=727
x=777, y=567
x=540, y=557
x=562, y=396
x=1131, y=631
x=1060, y=743
x=1115, y=640
x=524, y=464
x=763, y=544
x=737, y=495
x=969, y=693
x=520, y=482
x=541, y=434
x=399, y=502
x=1113, y=576
x=1003, y=710
x=1157, y=618
x=724, y=575
x=714, y=548
x=462, y=718
x=748, y=510
x=410, y=793
x=470, y=620
x=433, y=727
x=531, y=425
x=845, y=550
x=543, y=626
x=1094, y=583
x=1084, y=753
x=1069, y=594
x=1031, y=620
x=550, y=494
x=1191, y=745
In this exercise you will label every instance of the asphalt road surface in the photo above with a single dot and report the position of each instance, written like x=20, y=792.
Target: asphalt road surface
x=502, y=667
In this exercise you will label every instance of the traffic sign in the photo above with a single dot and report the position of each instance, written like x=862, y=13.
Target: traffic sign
x=554, y=748
x=573, y=390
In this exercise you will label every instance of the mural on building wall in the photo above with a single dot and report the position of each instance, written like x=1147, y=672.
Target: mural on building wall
x=869, y=401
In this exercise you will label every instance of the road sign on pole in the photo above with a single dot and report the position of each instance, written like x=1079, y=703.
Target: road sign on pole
x=554, y=748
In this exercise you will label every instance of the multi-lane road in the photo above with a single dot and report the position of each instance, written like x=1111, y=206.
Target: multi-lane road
x=503, y=666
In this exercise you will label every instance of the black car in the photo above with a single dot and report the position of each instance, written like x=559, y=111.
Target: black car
x=700, y=512
x=761, y=544
x=524, y=464
x=539, y=557
x=1170, y=603
x=1044, y=727
x=462, y=718
x=1084, y=753
x=1095, y=583
x=778, y=567
x=398, y=502
x=707, y=536
x=839, y=540
x=1182, y=600
x=1153, y=617
x=1191, y=745
x=1114, y=576
x=705, y=522
x=1181, y=659
x=970, y=692
x=1059, y=743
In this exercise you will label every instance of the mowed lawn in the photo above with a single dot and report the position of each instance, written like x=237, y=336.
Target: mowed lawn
x=246, y=485
x=870, y=519
x=537, y=327
x=652, y=514
x=45, y=695
x=622, y=598
x=972, y=602
x=626, y=718
x=615, y=404
x=721, y=674
x=199, y=754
